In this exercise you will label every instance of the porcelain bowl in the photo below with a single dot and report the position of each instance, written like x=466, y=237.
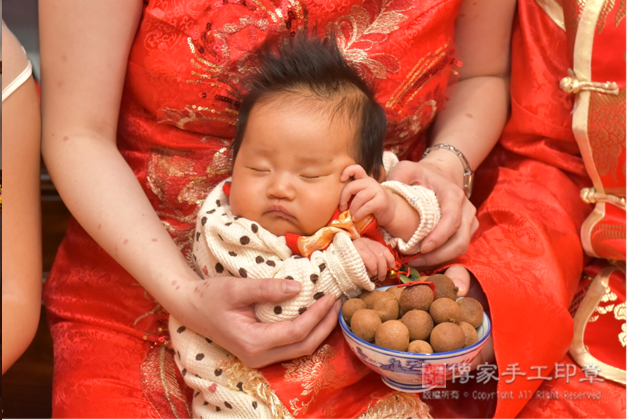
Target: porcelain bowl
x=404, y=371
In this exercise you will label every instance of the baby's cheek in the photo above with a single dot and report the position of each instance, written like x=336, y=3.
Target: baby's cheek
x=238, y=203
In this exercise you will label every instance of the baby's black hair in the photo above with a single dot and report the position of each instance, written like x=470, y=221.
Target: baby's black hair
x=314, y=68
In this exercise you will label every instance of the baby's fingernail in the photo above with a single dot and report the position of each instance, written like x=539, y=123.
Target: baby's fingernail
x=291, y=286
x=426, y=247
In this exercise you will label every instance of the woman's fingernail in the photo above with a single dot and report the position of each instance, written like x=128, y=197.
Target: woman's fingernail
x=426, y=247
x=291, y=286
x=460, y=287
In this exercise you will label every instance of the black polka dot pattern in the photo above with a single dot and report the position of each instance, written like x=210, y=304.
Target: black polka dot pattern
x=318, y=295
x=218, y=203
x=237, y=217
x=314, y=278
x=197, y=236
x=217, y=372
x=203, y=220
x=211, y=211
x=200, y=356
x=208, y=341
x=218, y=408
x=227, y=405
x=240, y=386
x=228, y=224
x=254, y=228
x=271, y=263
x=301, y=311
x=289, y=278
x=243, y=272
x=180, y=329
x=322, y=267
x=259, y=259
x=219, y=236
x=219, y=268
x=205, y=403
x=232, y=254
x=184, y=372
x=255, y=405
x=278, y=310
x=244, y=240
x=196, y=394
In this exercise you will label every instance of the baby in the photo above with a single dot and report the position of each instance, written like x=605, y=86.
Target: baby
x=303, y=203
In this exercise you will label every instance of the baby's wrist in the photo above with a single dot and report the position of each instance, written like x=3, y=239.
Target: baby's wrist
x=386, y=217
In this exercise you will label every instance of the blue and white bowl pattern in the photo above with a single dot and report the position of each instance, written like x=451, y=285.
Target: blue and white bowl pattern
x=403, y=370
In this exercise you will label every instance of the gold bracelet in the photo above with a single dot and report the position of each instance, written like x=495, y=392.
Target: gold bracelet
x=468, y=172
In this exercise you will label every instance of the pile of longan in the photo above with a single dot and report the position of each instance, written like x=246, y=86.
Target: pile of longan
x=427, y=324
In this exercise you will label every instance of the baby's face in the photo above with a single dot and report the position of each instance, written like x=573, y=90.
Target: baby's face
x=286, y=175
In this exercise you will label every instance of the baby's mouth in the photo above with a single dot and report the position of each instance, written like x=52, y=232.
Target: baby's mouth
x=279, y=211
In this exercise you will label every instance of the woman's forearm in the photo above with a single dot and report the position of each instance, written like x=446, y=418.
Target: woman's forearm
x=20, y=316
x=84, y=54
x=103, y=194
x=472, y=122
x=474, y=116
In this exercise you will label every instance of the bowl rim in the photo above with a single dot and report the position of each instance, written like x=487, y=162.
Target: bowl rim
x=399, y=353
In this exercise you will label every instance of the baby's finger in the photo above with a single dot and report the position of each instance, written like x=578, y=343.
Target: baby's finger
x=353, y=171
x=349, y=190
x=361, y=199
x=389, y=258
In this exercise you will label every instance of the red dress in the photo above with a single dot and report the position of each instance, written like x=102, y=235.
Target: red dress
x=177, y=120
x=527, y=254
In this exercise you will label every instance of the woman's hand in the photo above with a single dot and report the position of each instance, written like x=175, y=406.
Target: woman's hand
x=458, y=223
x=222, y=309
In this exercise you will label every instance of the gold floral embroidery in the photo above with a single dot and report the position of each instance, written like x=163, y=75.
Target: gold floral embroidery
x=191, y=113
x=221, y=162
x=159, y=384
x=313, y=373
x=575, y=8
x=607, y=8
x=398, y=405
x=253, y=384
x=606, y=122
x=360, y=28
x=620, y=13
x=415, y=79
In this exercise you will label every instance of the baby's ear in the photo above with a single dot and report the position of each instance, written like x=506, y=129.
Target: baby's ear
x=382, y=174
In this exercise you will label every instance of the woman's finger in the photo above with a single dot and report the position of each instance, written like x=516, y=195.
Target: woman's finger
x=245, y=292
x=451, y=201
x=329, y=308
x=461, y=278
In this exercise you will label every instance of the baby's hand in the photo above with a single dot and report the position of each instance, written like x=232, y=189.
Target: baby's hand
x=376, y=256
x=369, y=196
